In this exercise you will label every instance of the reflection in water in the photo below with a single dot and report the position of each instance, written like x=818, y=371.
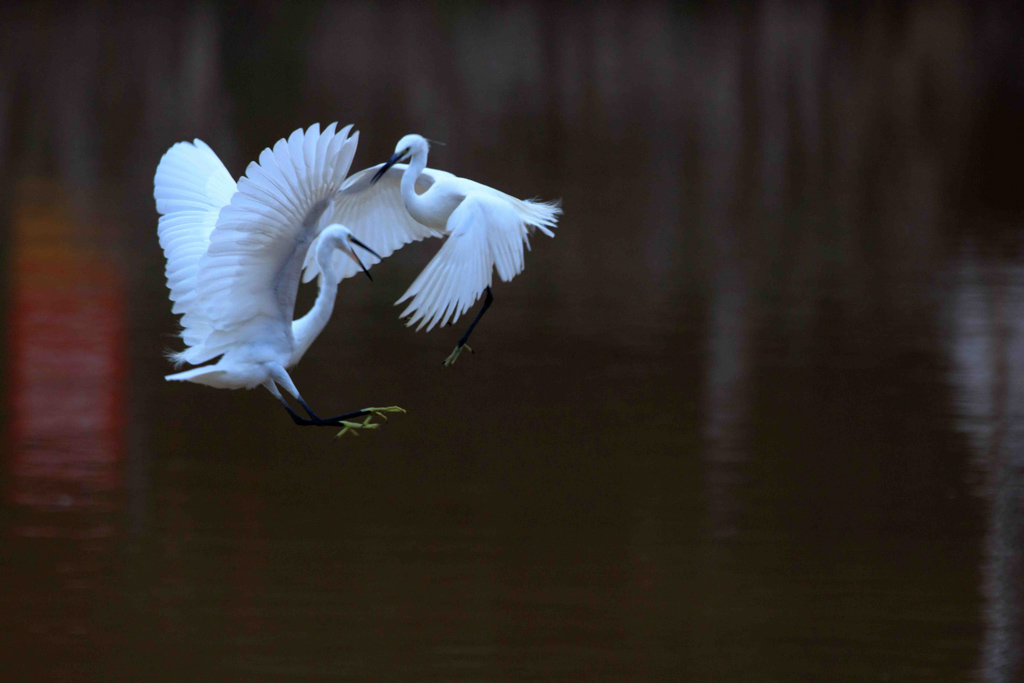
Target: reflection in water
x=66, y=431
x=66, y=327
x=731, y=317
x=987, y=349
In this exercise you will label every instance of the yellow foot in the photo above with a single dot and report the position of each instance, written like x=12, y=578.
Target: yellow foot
x=454, y=355
x=368, y=423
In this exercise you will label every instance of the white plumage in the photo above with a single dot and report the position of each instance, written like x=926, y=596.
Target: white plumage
x=392, y=204
x=485, y=233
x=376, y=214
x=234, y=254
x=235, y=251
x=191, y=186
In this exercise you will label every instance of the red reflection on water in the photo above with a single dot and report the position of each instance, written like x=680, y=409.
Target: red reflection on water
x=66, y=338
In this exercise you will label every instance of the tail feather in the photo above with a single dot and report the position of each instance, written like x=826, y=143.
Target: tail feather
x=541, y=215
x=177, y=358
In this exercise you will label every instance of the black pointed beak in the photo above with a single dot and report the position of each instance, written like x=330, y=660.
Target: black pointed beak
x=363, y=246
x=387, y=164
x=356, y=257
x=395, y=158
x=360, y=262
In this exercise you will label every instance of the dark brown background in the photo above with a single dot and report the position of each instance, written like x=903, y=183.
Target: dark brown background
x=753, y=414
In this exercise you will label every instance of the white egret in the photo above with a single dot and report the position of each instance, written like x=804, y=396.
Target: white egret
x=392, y=204
x=234, y=254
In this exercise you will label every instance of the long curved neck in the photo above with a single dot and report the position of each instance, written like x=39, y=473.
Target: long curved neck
x=308, y=327
x=413, y=202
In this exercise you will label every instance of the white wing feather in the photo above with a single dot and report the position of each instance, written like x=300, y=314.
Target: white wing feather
x=486, y=233
x=191, y=186
x=251, y=267
x=377, y=216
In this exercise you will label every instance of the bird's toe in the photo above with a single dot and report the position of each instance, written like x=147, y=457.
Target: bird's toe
x=454, y=355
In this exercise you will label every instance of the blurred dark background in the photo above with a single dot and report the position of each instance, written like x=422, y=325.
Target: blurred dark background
x=754, y=414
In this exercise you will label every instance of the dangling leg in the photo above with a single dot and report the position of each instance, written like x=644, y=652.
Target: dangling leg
x=280, y=376
x=296, y=418
x=272, y=388
x=330, y=421
x=454, y=356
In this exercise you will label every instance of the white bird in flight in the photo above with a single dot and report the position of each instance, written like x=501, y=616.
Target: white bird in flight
x=392, y=204
x=234, y=254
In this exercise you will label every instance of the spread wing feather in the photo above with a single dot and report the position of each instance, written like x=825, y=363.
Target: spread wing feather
x=247, y=264
x=485, y=233
x=251, y=266
x=191, y=186
x=377, y=216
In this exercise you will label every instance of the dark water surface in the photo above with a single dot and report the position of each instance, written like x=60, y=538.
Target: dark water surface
x=753, y=415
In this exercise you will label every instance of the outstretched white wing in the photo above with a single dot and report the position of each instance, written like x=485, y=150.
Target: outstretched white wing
x=377, y=216
x=251, y=267
x=486, y=233
x=191, y=186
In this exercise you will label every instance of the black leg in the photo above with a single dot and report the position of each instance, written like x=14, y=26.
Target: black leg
x=319, y=422
x=488, y=300
x=295, y=418
x=332, y=421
